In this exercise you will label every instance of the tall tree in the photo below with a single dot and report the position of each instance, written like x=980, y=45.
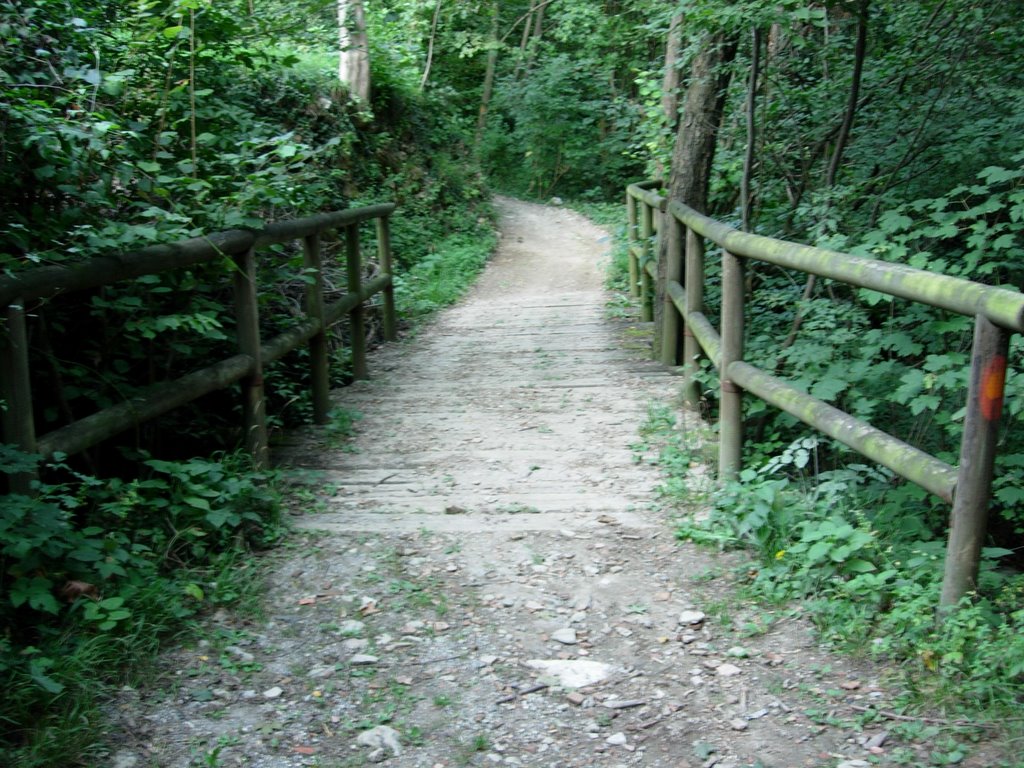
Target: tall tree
x=696, y=140
x=354, y=49
x=488, y=87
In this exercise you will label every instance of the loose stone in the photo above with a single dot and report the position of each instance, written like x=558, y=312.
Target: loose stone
x=691, y=617
x=565, y=636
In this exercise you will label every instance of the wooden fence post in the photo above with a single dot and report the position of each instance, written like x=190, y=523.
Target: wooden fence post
x=670, y=318
x=319, y=363
x=354, y=267
x=632, y=240
x=694, y=284
x=977, y=457
x=646, y=287
x=254, y=405
x=16, y=390
x=384, y=256
x=730, y=407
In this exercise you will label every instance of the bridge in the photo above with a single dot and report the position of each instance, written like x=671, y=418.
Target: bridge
x=512, y=376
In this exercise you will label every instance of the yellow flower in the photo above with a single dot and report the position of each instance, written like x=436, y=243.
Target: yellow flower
x=780, y=554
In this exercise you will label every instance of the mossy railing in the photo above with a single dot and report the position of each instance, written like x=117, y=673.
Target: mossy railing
x=20, y=292
x=998, y=312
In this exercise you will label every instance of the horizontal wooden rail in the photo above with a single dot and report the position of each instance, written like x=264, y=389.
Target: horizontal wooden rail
x=45, y=283
x=997, y=312
x=964, y=297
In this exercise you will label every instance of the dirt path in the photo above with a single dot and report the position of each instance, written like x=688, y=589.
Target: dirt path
x=486, y=577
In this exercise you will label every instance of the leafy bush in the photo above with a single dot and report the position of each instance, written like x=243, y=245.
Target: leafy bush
x=93, y=573
x=868, y=575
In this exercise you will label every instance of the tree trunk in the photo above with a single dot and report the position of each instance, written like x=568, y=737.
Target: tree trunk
x=670, y=79
x=746, y=196
x=695, y=143
x=354, y=49
x=430, y=46
x=492, y=63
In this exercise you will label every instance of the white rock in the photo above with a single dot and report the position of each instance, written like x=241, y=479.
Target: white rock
x=573, y=673
x=125, y=760
x=616, y=739
x=351, y=627
x=738, y=652
x=381, y=737
x=363, y=660
x=273, y=693
x=738, y=724
x=565, y=636
x=691, y=617
x=321, y=672
x=728, y=670
x=355, y=644
x=854, y=764
x=243, y=656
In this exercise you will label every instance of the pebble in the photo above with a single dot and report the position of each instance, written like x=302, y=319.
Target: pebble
x=321, y=672
x=616, y=739
x=380, y=738
x=691, y=617
x=243, y=656
x=565, y=636
x=363, y=660
x=573, y=673
x=273, y=693
x=728, y=670
x=877, y=740
x=738, y=724
x=351, y=627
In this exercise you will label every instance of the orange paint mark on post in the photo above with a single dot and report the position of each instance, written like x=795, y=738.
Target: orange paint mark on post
x=993, y=380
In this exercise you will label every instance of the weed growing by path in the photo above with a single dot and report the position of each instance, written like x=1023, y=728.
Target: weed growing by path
x=96, y=573
x=870, y=580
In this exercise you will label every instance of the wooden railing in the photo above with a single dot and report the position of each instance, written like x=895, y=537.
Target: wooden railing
x=997, y=312
x=20, y=292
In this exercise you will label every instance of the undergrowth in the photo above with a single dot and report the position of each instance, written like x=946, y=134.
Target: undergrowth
x=97, y=574
x=444, y=275
x=868, y=578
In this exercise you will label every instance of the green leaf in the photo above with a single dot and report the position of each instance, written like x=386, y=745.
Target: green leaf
x=36, y=669
x=819, y=551
x=893, y=221
x=993, y=174
x=198, y=502
x=170, y=32
x=859, y=566
x=194, y=591
x=827, y=389
x=217, y=517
